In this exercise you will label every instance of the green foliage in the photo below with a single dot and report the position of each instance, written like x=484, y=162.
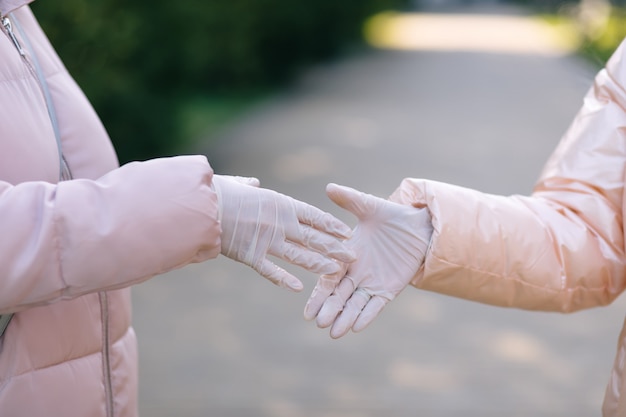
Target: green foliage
x=600, y=47
x=596, y=41
x=547, y=6
x=140, y=62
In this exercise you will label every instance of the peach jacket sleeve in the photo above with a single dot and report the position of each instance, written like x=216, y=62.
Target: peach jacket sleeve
x=559, y=249
x=63, y=240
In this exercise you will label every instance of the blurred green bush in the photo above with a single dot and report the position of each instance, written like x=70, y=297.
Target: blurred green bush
x=599, y=45
x=599, y=25
x=140, y=62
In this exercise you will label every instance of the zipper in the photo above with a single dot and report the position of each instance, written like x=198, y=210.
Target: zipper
x=65, y=172
x=106, y=360
x=6, y=23
x=8, y=26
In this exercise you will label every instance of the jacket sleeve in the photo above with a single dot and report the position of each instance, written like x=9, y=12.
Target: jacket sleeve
x=559, y=249
x=63, y=240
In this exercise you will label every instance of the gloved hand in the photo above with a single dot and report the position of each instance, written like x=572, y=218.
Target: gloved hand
x=257, y=222
x=390, y=242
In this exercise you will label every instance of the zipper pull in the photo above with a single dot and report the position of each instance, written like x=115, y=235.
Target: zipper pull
x=6, y=22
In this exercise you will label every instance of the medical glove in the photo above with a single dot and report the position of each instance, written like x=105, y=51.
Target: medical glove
x=390, y=242
x=257, y=222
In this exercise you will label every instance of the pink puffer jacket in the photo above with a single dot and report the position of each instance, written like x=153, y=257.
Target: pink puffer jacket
x=69, y=251
x=560, y=249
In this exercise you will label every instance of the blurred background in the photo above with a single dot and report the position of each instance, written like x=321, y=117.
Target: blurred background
x=191, y=64
x=363, y=93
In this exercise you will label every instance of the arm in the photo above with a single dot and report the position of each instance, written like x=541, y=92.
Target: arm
x=524, y=252
x=562, y=248
x=61, y=241
x=147, y=218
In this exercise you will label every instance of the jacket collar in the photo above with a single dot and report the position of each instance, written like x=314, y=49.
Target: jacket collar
x=7, y=6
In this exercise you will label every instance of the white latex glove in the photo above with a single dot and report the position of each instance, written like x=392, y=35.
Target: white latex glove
x=251, y=181
x=390, y=242
x=257, y=222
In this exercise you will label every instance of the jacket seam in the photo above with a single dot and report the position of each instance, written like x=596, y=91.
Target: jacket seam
x=57, y=239
x=105, y=350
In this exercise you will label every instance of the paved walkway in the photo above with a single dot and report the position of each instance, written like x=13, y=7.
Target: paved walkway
x=218, y=340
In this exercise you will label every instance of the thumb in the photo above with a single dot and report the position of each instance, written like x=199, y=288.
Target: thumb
x=356, y=202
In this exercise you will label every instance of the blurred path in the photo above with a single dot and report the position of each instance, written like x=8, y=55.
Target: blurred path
x=218, y=340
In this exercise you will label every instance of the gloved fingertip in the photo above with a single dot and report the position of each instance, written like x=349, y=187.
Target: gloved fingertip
x=330, y=269
x=325, y=318
x=309, y=314
x=336, y=333
x=328, y=311
x=349, y=256
x=347, y=198
x=290, y=282
x=360, y=325
x=333, y=191
x=294, y=285
x=322, y=323
x=253, y=182
x=369, y=313
x=340, y=253
x=331, y=186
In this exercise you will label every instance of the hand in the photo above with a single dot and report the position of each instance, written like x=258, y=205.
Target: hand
x=257, y=222
x=390, y=242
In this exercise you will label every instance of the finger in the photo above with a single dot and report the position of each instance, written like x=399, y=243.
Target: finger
x=369, y=313
x=323, y=289
x=329, y=311
x=278, y=276
x=335, y=303
x=320, y=220
x=350, y=313
x=251, y=181
x=356, y=202
x=322, y=243
x=310, y=260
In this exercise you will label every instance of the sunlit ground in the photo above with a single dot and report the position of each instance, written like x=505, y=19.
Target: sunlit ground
x=468, y=32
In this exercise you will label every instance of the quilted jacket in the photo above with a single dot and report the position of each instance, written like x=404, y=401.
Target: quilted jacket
x=70, y=250
x=560, y=248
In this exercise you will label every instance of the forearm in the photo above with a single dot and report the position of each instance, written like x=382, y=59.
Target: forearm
x=82, y=236
x=524, y=252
